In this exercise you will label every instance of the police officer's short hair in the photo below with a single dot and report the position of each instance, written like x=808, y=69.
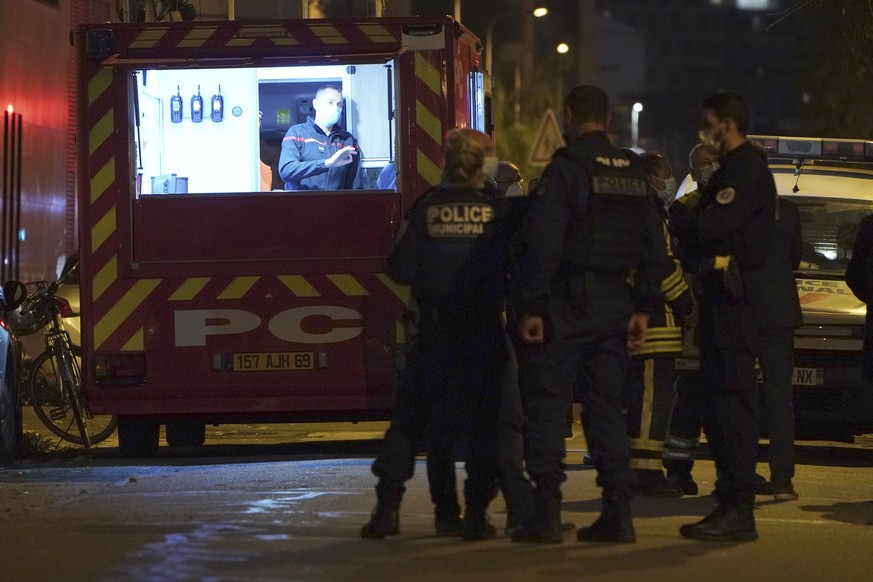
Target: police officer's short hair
x=729, y=105
x=324, y=88
x=651, y=160
x=587, y=103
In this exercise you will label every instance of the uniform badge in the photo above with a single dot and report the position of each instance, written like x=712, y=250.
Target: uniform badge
x=726, y=196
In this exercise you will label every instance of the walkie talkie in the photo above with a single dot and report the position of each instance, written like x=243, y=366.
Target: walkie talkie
x=197, y=107
x=217, y=106
x=176, y=107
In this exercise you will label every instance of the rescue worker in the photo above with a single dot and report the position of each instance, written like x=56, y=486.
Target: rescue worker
x=859, y=278
x=653, y=365
x=508, y=180
x=453, y=251
x=731, y=229
x=686, y=418
x=590, y=224
x=319, y=154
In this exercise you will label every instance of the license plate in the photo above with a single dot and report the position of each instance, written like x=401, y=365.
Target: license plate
x=808, y=377
x=269, y=361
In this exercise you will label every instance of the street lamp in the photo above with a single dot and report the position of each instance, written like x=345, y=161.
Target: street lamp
x=489, y=33
x=635, y=124
x=563, y=48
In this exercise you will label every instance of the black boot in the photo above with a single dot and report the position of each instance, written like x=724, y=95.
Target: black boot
x=734, y=522
x=614, y=524
x=385, y=521
x=545, y=526
x=477, y=526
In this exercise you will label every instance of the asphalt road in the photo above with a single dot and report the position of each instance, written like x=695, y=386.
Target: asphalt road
x=286, y=503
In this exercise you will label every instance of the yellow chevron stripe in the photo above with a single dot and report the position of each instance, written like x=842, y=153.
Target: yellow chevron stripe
x=148, y=38
x=399, y=333
x=285, y=41
x=189, y=288
x=644, y=464
x=101, y=131
x=238, y=287
x=240, y=42
x=122, y=310
x=104, y=278
x=659, y=348
x=377, y=33
x=102, y=179
x=103, y=229
x=197, y=37
x=98, y=84
x=646, y=445
x=328, y=34
x=429, y=122
x=429, y=74
x=427, y=169
x=299, y=286
x=348, y=285
x=135, y=343
x=648, y=398
x=400, y=291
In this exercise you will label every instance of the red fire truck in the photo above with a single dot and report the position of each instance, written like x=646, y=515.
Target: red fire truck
x=207, y=300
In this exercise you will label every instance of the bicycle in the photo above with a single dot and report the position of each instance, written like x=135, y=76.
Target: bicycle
x=54, y=381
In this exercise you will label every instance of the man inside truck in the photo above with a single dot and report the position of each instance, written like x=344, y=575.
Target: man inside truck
x=319, y=154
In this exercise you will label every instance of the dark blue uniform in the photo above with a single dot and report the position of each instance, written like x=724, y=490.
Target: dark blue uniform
x=735, y=218
x=305, y=147
x=592, y=224
x=454, y=253
x=776, y=309
x=859, y=277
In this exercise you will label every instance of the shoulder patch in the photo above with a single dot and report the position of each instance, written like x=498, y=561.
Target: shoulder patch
x=726, y=195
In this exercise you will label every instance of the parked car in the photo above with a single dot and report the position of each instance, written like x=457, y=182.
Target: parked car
x=831, y=181
x=11, y=294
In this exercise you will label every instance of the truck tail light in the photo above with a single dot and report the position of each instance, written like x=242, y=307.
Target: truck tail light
x=119, y=369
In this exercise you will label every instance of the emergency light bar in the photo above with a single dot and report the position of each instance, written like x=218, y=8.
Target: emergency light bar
x=847, y=150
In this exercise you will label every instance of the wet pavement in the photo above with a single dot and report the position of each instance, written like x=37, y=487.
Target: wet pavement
x=287, y=502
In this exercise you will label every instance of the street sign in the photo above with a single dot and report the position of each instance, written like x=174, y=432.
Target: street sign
x=549, y=140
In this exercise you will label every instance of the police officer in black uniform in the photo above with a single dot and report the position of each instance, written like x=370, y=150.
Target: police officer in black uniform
x=454, y=252
x=730, y=231
x=590, y=225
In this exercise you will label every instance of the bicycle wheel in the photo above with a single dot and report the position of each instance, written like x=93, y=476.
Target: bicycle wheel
x=52, y=405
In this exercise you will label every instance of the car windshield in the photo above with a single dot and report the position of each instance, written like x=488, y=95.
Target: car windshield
x=830, y=226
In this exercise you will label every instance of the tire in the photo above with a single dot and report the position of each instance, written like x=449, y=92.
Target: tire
x=138, y=437
x=53, y=408
x=186, y=432
x=10, y=418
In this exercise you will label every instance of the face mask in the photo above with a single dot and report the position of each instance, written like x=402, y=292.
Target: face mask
x=514, y=190
x=668, y=192
x=489, y=166
x=707, y=172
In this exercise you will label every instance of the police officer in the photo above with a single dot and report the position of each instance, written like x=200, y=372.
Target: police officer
x=731, y=227
x=589, y=225
x=653, y=366
x=776, y=308
x=453, y=251
x=859, y=278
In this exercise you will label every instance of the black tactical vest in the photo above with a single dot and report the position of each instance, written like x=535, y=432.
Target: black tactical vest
x=609, y=221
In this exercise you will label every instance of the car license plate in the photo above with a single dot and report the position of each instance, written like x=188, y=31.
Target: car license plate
x=808, y=377
x=269, y=361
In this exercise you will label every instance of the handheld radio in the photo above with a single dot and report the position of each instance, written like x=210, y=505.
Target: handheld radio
x=176, y=107
x=197, y=107
x=217, y=106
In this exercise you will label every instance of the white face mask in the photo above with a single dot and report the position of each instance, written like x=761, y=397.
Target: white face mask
x=668, y=192
x=707, y=172
x=489, y=166
x=514, y=190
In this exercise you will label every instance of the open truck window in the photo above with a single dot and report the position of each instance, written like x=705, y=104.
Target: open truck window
x=220, y=130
